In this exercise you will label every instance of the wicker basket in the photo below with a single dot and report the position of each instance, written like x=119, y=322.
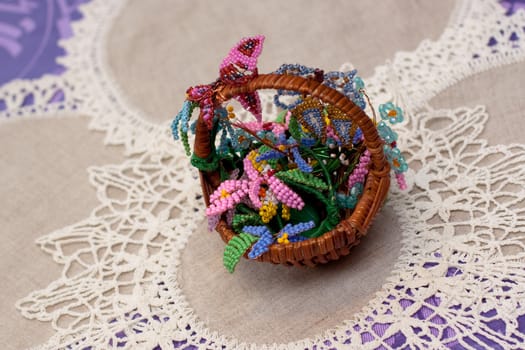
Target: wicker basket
x=337, y=242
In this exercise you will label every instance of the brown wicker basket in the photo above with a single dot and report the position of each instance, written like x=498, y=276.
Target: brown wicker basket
x=337, y=242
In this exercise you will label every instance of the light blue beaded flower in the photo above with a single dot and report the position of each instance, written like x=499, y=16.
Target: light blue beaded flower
x=345, y=202
x=267, y=135
x=358, y=83
x=391, y=112
x=350, y=201
x=386, y=133
x=395, y=158
x=357, y=189
x=182, y=118
x=230, y=137
x=244, y=139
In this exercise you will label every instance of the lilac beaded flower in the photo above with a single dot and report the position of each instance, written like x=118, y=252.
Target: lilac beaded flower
x=391, y=112
x=360, y=171
x=355, y=183
x=288, y=234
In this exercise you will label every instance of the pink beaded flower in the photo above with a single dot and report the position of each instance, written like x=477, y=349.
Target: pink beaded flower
x=276, y=128
x=227, y=196
x=264, y=175
x=240, y=66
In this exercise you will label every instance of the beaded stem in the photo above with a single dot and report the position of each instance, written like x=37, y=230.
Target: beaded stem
x=401, y=181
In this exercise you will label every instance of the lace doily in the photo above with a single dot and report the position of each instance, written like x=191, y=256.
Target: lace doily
x=457, y=282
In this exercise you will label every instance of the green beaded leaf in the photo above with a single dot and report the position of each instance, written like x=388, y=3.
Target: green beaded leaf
x=263, y=149
x=241, y=220
x=236, y=248
x=316, y=203
x=296, y=176
x=294, y=128
x=309, y=213
x=281, y=116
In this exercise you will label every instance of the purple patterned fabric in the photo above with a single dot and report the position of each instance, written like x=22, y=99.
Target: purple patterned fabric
x=512, y=5
x=29, y=32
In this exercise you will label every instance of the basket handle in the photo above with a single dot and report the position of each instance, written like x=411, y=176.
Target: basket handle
x=203, y=147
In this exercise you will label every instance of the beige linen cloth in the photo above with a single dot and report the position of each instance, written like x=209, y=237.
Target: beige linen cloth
x=156, y=50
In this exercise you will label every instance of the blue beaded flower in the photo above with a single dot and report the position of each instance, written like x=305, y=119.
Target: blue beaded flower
x=391, y=112
x=293, y=69
x=395, y=158
x=289, y=233
x=386, y=133
x=262, y=245
x=346, y=83
x=358, y=137
x=298, y=159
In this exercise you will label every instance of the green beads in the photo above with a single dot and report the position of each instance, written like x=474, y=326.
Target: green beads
x=236, y=248
x=241, y=220
x=298, y=177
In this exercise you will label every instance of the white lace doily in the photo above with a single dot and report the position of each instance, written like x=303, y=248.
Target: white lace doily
x=458, y=281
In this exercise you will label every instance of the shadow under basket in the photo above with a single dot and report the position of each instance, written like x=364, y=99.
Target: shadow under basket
x=337, y=242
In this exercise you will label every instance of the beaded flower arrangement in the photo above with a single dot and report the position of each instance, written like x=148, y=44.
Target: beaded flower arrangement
x=296, y=180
